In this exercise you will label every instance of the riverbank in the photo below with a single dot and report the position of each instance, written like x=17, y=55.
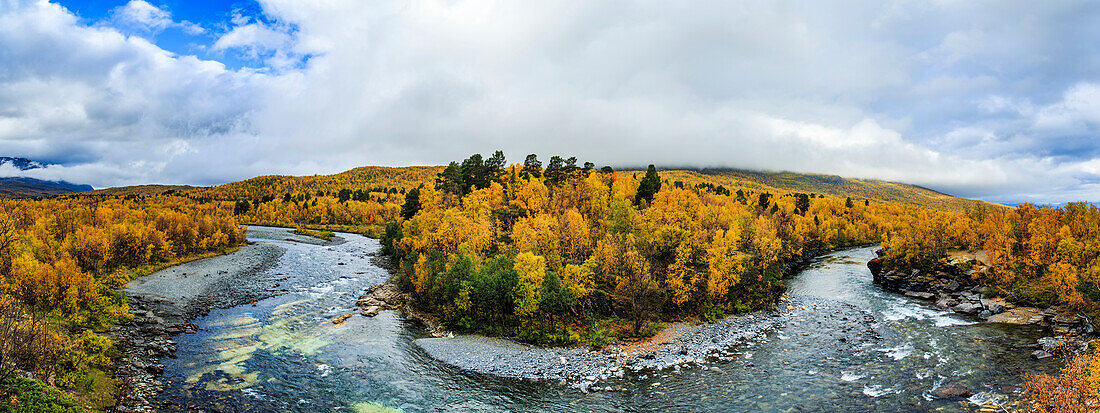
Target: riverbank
x=953, y=285
x=678, y=345
x=686, y=346
x=163, y=304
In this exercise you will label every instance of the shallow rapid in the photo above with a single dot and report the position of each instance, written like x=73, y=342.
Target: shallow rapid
x=861, y=349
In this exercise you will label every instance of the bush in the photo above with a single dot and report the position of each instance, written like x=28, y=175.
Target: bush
x=89, y=351
x=20, y=394
x=1076, y=389
x=712, y=312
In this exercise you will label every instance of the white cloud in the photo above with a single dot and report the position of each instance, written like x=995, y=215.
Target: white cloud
x=254, y=38
x=141, y=15
x=950, y=96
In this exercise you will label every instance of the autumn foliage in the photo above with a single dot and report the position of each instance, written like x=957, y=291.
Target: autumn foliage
x=62, y=260
x=1036, y=255
x=674, y=250
x=1076, y=389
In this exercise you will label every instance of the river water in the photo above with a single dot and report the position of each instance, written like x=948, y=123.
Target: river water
x=282, y=354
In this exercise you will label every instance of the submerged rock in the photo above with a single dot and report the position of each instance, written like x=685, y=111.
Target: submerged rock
x=341, y=319
x=370, y=311
x=952, y=391
x=1041, y=354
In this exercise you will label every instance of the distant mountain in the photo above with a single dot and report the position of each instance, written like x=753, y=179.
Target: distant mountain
x=24, y=187
x=22, y=164
x=19, y=187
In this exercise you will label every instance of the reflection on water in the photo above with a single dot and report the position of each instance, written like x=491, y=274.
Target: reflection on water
x=284, y=354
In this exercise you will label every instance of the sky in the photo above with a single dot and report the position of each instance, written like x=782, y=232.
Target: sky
x=997, y=100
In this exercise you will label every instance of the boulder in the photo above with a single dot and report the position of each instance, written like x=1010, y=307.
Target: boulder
x=946, y=301
x=1067, y=318
x=968, y=308
x=341, y=319
x=1040, y=354
x=952, y=391
x=875, y=266
x=996, y=308
x=952, y=286
x=370, y=311
x=1050, y=344
x=920, y=295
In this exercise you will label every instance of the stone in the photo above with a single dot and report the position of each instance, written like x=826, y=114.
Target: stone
x=370, y=311
x=947, y=302
x=920, y=295
x=875, y=266
x=341, y=319
x=996, y=308
x=1040, y=355
x=952, y=391
x=953, y=286
x=1066, y=319
x=968, y=308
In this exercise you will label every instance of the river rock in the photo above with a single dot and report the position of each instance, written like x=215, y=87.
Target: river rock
x=952, y=286
x=946, y=302
x=952, y=391
x=920, y=295
x=875, y=265
x=370, y=311
x=1040, y=355
x=341, y=319
x=968, y=308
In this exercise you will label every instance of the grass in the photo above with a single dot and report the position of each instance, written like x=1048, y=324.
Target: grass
x=20, y=394
x=102, y=394
x=322, y=234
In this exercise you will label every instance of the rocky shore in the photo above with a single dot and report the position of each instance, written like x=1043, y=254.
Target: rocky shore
x=952, y=284
x=164, y=303
x=685, y=345
x=690, y=346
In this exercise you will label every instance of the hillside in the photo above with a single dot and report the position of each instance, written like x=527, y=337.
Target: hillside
x=381, y=179
x=152, y=189
x=829, y=185
x=367, y=178
x=18, y=187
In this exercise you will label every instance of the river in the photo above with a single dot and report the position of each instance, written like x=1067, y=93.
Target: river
x=282, y=353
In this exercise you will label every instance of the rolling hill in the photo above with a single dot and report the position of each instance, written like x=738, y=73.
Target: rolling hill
x=136, y=190
x=380, y=178
x=829, y=185
x=362, y=178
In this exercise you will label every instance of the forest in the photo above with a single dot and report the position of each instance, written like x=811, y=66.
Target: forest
x=1038, y=256
x=62, y=261
x=562, y=254
x=558, y=254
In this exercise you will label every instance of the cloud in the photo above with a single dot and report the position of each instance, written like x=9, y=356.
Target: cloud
x=140, y=15
x=974, y=98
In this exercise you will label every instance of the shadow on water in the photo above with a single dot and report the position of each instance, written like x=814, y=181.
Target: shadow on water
x=283, y=353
